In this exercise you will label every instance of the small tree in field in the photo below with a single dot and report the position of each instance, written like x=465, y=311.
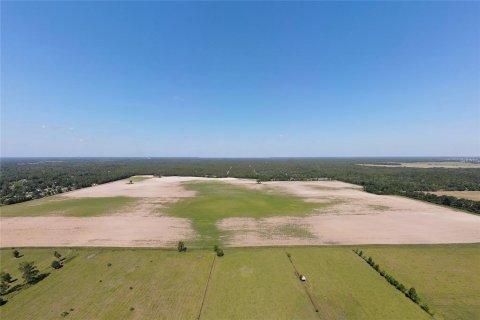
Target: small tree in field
x=4, y=287
x=4, y=276
x=29, y=271
x=16, y=254
x=181, y=246
x=57, y=255
x=220, y=253
x=412, y=294
x=56, y=265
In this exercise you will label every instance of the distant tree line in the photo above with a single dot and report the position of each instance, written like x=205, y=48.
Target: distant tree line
x=26, y=179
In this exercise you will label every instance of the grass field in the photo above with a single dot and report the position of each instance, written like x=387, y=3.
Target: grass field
x=445, y=276
x=135, y=179
x=216, y=201
x=471, y=195
x=246, y=283
x=58, y=205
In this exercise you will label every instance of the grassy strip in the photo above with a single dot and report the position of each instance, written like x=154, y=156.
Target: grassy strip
x=206, y=288
x=314, y=304
x=410, y=293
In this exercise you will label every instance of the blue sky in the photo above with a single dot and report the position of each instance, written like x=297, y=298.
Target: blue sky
x=240, y=79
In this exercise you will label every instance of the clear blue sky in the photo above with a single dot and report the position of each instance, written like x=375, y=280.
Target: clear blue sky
x=240, y=79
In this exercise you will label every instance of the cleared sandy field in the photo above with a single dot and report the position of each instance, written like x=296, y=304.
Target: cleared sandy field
x=352, y=217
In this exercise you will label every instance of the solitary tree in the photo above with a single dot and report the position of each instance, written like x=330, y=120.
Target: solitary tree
x=56, y=265
x=29, y=271
x=4, y=276
x=16, y=254
x=57, y=254
x=181, y=246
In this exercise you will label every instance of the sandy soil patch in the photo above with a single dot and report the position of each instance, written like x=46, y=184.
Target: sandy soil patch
x=94, y=231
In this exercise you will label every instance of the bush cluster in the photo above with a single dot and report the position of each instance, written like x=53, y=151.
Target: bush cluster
x=181, y=246
x=218, y=250
x=410, y=293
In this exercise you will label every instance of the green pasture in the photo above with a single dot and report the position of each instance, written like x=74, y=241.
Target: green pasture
x=58, y=205
x=247, y=283
x=216, y=201
x=445, y=276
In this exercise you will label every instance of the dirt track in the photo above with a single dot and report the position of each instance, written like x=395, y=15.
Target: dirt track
x=354, y=217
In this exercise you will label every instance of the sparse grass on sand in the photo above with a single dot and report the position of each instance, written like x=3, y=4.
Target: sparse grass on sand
x=445, y=276
x=215, y=201
x=58, y=205
x=247, y=283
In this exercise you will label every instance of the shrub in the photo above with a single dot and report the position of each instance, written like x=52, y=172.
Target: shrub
x=412, y=294
x=2, y=302
x=382, y=273
x=4, y=276
x=29, y=271
x=215, y=248
x=132, y=308
x=56, y=265
x=370, y=261
x=16, y=254
x=360, y=253
x=4, y=287
x=220, y=253
x=181, y=246
x=109, y=264
x=64, y=314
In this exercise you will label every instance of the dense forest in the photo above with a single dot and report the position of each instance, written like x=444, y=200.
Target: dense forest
x=31, y=178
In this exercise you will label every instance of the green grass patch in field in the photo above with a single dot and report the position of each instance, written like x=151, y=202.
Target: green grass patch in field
x=58, y=205
x=445, y=276
x=138, y=178
x=216, y=201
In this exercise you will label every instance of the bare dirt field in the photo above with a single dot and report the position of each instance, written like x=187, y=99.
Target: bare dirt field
x=352, y=217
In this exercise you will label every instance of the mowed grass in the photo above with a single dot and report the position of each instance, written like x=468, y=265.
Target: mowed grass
x=345, y=287
x=58, y=205
x=445, y=276
x=247, y=283
x=158, y=284
x=256, y=284
x=216, y=201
